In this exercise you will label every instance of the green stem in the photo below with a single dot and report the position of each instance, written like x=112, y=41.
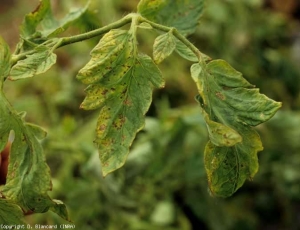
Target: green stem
x=81, y=37
x=94, y=33
x=137, y=18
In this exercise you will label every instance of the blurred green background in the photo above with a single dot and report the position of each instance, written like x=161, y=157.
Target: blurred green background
x=163, y=185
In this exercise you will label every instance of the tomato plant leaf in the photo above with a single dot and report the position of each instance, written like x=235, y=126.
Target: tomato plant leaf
x=120, y=84
x=50, y=27
x=219, y=134
x=36, y=63
x=28, y=178
x=10, y=213
x=33, y=19
x=187, y=54
x=4, y=60
x=163, y=47
x=170, y=13
x=229, y=100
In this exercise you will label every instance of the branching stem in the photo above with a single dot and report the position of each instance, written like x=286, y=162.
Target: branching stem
x=122, y=22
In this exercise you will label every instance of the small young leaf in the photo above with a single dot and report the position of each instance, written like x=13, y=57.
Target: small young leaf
x=187, y=54
x=28, y=178
x=170, y=13
x=38, y=62
x=229, y=100
x=10, y=213
x=4, y=60
x=163, y=47
x=121, y=83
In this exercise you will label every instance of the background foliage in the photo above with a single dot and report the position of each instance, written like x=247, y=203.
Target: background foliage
x=163, y=184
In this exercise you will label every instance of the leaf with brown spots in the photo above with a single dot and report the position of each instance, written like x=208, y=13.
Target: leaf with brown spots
x=120, y=85
x=28, y=179
x=231, y=107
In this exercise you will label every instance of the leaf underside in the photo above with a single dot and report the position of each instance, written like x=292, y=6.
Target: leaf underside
x=231, y=107
x=181, y=14
x=120, y=85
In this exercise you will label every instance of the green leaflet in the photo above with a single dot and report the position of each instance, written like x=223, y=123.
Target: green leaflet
x=219, y=134
x=120, y=84
x=33, y=19
x=4, y=60
x=187, y=54
x=169, y=12
x=230, y=101
x=163, y=47
x=36, y=63
x=10, y=213
x=43, y=16
x=28, y=179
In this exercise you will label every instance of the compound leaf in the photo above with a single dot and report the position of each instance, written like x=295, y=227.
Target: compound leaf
x=231, y=101
x=120, y=84
x=28, y=178
x=10, y=213
x=181, y=14
x=38, y=62
x=163, y=47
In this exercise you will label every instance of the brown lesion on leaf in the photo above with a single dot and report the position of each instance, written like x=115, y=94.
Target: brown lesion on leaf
x=220, y=96
x=37, y=8
x=102, y=127
x=104, y=92
x=127, y=102
x=119, y=122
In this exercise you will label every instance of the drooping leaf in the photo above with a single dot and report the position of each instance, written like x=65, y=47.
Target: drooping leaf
x=43, y=16
x=4, y=60
x=120, y=84
x=230, y=101
x=33, y=19
x=163, y=47
x=36, y=63
x=181, y=14
x=28, y=178
x=60, y=209
x=227, y=168
x=52, y=27
x=10, y=213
